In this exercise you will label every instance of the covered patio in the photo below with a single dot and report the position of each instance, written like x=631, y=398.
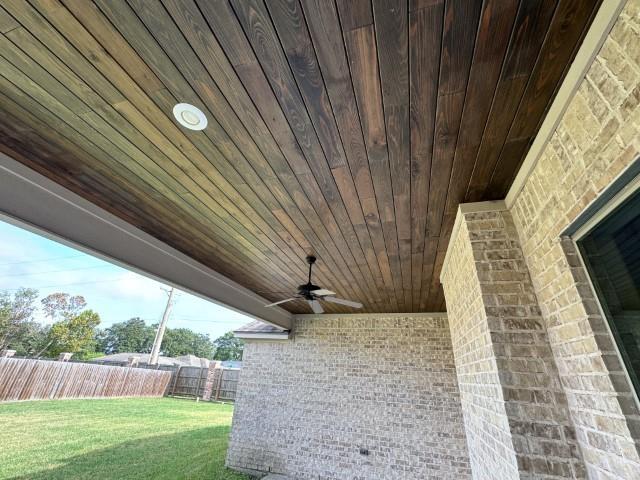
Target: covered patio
x=456, y=169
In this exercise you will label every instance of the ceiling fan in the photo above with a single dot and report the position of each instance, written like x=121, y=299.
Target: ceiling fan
x=313, y=294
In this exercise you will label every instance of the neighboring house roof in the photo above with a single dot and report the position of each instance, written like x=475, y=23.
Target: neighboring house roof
x=183, y=360
x=261, y=331
x=192, y=360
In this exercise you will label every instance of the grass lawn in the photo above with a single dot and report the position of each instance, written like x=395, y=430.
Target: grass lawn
x=120, y=439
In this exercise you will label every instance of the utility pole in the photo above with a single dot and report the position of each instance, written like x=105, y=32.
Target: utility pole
x=155, y=350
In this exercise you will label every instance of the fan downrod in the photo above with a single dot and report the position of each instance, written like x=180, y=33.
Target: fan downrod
x=305, y=290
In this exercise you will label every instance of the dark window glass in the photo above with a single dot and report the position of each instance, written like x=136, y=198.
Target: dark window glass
x=611, y=252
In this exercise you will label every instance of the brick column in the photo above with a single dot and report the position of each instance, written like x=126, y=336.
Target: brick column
x=514, y=407
x=213, y=375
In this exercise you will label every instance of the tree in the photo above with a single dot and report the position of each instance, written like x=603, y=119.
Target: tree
x=130, y=336
x=137, y=337
x=73, y=330
x=183, y=341
x=15, y=313
x=228, y=347
x=31, y=339
x=62, y=306
x=75, y=334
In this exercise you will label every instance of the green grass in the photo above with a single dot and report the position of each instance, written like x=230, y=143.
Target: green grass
x=120, y=439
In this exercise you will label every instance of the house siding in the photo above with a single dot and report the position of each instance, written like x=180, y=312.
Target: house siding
x=306, y=406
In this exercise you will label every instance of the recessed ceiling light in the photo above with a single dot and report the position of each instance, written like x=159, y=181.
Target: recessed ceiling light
x=189, y=116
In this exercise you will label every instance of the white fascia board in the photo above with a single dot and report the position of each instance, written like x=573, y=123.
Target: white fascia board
x=32, y=201
x=262, y=336
x=330, y=316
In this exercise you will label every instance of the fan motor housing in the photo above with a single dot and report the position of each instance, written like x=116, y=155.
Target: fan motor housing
x=306, y=289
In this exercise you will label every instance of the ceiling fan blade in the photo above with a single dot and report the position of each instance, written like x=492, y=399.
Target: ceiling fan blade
x=322, y=292
x=281, y=301
x=315, y=306
x=341, y=301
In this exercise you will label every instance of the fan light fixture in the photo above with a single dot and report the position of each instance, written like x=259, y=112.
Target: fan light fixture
x=189, y=116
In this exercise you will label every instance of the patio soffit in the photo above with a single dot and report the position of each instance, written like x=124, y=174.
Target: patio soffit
x=348, y=130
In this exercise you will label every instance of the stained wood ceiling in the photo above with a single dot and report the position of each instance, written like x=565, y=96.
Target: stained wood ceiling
x=349, y=130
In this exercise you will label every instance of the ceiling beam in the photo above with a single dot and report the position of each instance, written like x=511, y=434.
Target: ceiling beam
x=32, y=201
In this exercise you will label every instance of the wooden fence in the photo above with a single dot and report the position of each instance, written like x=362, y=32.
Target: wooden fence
x=191, y=382
x=27, y=379
x=188, y=381
x=228, y=386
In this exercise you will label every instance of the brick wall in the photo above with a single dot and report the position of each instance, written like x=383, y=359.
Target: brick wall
x=597, y=138
x=514, y=407
x=386, y=383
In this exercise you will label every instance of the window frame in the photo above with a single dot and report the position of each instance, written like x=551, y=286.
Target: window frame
x=626, y=185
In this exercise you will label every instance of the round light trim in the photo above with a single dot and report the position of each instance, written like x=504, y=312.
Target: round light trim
x=190, y=117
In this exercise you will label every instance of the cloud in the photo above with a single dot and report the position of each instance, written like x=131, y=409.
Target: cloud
x=31, y=261
x=28, y=260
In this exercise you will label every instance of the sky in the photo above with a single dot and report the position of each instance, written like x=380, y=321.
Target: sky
x=116, y=294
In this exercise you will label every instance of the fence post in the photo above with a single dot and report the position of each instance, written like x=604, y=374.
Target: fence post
x=202, y=370
x=133, y=361
x=175, y=380
x=64, y=356
x=220, y=375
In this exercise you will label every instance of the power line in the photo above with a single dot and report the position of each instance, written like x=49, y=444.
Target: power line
x=43, y=260
x=207, y=321
x=54, y=271
x=188, y=320
x=68, y=284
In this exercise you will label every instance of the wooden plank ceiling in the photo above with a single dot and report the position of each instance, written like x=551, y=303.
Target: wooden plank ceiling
x=350, y=130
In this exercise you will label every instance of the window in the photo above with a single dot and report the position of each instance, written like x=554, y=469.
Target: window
x=611, y=252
